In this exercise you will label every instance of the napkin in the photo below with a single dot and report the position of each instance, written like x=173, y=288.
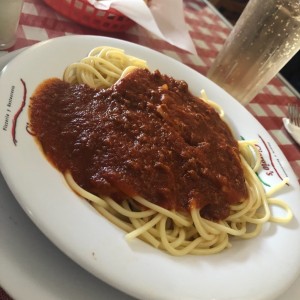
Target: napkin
x=292, y=129
x=164, y=18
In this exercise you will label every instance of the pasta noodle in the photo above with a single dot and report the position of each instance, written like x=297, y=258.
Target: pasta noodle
x=178, y=233
x=181, y=234
x=102, y=67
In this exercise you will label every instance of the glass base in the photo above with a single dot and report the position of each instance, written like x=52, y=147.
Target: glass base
x=6, y=45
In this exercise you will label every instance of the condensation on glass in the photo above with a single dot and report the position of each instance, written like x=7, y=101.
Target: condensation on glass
x=265, y=38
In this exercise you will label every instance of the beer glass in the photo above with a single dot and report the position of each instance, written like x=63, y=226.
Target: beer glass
x=264, y=39
x=10, y=11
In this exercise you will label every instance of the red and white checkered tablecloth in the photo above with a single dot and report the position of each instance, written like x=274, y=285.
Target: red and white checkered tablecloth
x=208, y=30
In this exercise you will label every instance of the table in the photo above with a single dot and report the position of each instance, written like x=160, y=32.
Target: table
x=208, y=29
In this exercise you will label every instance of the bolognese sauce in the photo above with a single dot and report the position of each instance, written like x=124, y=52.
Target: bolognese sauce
x=147, y=135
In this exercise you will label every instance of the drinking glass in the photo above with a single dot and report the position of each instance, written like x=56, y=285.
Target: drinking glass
x=264, y=39
x=10, y=11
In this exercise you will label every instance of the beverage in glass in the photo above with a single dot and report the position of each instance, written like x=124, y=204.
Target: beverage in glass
x=10, y=11
x=264, y=39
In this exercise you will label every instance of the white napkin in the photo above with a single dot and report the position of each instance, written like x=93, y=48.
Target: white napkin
x=164, y=18
x=292, y=129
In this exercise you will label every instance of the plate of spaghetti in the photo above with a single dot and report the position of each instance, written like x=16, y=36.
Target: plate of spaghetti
x=146, y=173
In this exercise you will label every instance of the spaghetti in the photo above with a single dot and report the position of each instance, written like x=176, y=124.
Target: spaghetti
x=173, y=229
x=102, y=67
x=180, y=234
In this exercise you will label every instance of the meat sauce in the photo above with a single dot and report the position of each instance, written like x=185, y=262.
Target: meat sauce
x=147, y=135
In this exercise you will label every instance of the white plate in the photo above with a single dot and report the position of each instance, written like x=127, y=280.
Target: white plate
x=261, y=268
